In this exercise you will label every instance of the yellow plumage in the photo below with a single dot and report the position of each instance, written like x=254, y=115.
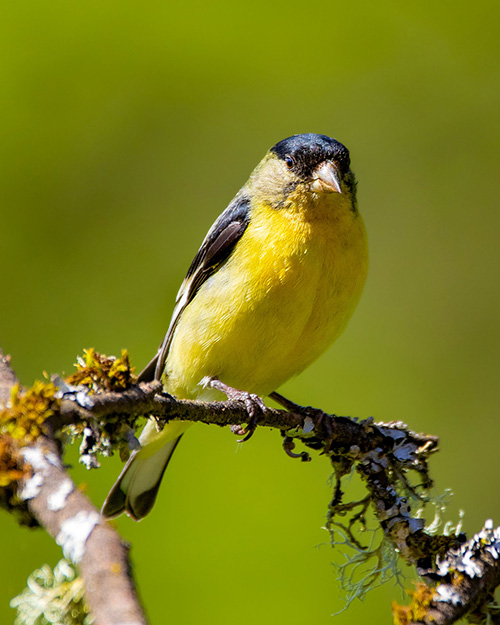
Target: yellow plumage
x=274, y=284
x=281, y=301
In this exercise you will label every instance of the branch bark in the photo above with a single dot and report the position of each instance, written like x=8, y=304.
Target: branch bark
x=76, y=524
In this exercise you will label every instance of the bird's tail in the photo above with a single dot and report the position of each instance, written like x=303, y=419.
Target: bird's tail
x=136, y=488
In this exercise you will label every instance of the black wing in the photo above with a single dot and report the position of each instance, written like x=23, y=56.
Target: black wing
x=214, y=251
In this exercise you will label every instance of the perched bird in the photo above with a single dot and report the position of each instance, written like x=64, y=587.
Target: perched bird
x=273, y=284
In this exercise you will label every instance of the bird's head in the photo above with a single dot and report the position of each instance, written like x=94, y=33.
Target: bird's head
x=303, y=169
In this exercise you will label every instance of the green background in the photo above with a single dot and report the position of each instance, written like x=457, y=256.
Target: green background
x=126, y=128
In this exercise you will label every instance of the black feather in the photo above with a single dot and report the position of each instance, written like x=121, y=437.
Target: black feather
x=213, y=253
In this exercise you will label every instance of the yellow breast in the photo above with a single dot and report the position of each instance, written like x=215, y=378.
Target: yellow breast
x=285, y=294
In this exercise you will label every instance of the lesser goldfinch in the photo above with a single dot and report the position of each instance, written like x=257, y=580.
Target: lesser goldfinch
x=273, y=284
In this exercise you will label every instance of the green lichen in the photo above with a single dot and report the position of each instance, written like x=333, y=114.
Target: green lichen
x=21, y=423
x=52, y=596
x=23, y=419
x=364, y=568
x=99, y=372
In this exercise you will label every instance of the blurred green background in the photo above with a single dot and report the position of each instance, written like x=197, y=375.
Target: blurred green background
x=126, y=128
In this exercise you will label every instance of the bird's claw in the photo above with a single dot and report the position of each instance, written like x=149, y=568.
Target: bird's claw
x=249, y=433
x=253, y=404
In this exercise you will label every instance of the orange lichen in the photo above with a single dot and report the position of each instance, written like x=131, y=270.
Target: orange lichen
x=116, y=568
x=100, y=372
x=418, y=609
x=12, y=467
x=456, y=578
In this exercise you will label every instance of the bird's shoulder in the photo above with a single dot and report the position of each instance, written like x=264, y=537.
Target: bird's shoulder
x=217, y=245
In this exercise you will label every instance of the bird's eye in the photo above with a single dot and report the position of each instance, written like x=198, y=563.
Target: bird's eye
x=289, y=162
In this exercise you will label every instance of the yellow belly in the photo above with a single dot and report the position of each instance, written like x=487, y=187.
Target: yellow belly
x=277, y=303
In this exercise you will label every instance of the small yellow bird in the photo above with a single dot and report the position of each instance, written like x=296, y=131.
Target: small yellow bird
x=273, y=284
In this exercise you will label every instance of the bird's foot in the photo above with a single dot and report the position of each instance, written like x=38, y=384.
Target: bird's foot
x=253, y=403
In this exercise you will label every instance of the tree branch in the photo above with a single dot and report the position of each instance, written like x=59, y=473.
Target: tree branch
x=74, y=522
x=460, y=576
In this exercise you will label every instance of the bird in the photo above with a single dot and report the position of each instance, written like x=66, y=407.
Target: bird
x=272, y=286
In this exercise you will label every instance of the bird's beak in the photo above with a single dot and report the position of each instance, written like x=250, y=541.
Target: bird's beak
x=326, y=178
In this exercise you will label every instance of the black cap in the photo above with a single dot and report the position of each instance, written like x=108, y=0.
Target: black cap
x=303, y=153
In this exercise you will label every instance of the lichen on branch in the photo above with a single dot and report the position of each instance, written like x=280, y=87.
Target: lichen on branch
x=103, y=403
x=102, y=373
